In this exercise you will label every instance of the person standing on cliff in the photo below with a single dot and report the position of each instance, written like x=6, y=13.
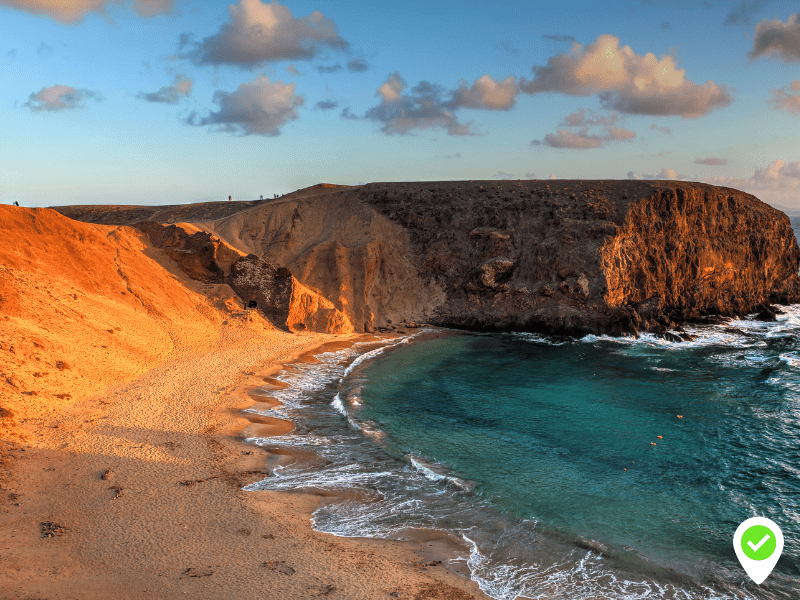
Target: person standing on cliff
x=229, y=198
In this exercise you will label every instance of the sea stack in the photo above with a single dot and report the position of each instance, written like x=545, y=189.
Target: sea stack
x=553, y=256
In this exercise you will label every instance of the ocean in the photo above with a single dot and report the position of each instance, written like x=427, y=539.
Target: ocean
x=574, y=469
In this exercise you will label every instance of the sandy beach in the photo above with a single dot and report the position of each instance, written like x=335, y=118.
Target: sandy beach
x=122, y=462
x=140, y=490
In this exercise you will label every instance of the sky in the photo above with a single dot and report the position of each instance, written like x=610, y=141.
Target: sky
x=176, y=101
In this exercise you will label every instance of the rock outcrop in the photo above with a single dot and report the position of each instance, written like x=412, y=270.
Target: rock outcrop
x=556, y=256
x=274, y=291
x=284, y=300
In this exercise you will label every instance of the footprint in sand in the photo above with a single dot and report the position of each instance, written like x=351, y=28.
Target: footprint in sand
x=280, y=566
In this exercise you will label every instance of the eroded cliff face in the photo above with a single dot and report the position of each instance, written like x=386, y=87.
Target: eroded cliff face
x=284, y=300
x=687, y=251
x=556, y=256
x=260, y=285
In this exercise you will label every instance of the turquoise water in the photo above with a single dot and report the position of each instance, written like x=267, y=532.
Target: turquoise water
x=544, y=431
x=520, y=443
x=538, y=452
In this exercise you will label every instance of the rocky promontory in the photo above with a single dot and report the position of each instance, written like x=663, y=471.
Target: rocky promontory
x=555, y=256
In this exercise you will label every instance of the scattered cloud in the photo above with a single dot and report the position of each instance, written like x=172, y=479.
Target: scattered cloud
x=583, y=140
x=552, y=175
x=783, y=99
x=293, y=70
x=777, y=183
x=778, y=171
x=423, y=108
x=59, y=97
x=714, y=162
x=357, y=65
x=579, y=119
x=169, y=94
x=665, y=173
x=73, y=11
x=530, y=176
x=561, y=38
x=12, y=54
x=45, y=50
x=327, y=105
x=260, y=33
x=776, y=38
x=456, y=155
x=486, y=94
x=329, y=68
x=259, y=107
x=502, y=175
x=744, y=12
x=664, y=130
x=625, y=81
x=666, y=25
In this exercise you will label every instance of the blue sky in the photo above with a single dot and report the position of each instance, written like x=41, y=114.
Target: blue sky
x=173, y=101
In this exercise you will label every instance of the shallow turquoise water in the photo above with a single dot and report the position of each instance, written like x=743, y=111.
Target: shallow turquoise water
x=518, y=444
x=544, y=432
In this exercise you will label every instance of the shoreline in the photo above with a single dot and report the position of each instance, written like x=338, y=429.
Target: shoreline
x=139, y=492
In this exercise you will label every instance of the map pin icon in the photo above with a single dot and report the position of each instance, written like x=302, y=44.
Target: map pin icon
x=758, y=543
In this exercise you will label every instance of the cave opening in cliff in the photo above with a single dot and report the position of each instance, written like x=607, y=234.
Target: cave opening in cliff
x=252, y=304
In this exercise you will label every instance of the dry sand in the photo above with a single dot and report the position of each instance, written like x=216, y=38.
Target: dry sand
x=121, y=473
x=145, y=480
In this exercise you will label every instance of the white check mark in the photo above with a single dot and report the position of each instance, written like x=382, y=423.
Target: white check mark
x=755, y=547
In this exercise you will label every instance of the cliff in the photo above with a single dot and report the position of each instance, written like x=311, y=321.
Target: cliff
x=274, y=291
x=558, y=256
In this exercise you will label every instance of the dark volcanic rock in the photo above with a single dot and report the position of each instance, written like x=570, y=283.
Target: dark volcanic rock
x=557, y=256
x=255, y=280
x=592, y=256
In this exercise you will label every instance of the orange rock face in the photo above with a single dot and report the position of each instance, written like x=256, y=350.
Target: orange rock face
x=83, y=306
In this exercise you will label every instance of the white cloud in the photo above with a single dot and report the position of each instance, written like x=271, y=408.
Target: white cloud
x=259, y=107
x=784, y=100
x=485, y=93
x=552, y=175
x=502, y=175
x=59, y=97
x=169, y=94
x=778, y=39
x=777, y=183
x=71, y=11
x=665, y=173
x=625, y=81
x=260, y=32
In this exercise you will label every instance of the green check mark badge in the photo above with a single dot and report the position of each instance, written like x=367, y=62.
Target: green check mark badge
x=758, y=542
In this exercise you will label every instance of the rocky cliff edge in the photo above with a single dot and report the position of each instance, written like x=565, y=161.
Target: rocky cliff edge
x=554, y=256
